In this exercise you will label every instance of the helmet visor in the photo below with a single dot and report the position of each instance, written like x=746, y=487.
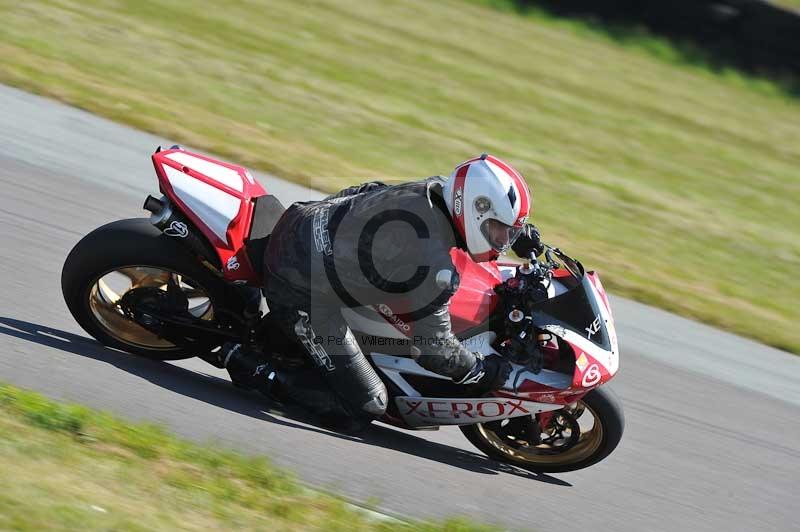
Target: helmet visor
x=499, y=235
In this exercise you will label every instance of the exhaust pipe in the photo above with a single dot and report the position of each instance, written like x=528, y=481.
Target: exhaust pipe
x=173, y=224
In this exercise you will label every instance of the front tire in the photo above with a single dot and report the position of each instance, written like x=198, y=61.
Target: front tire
x=135, y=249
x=575, y=447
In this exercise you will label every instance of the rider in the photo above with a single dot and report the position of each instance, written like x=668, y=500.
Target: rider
x=375, y=244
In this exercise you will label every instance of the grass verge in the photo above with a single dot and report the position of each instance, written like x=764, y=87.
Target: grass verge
x=66, y=467
x=636, y=37
x=679, y=184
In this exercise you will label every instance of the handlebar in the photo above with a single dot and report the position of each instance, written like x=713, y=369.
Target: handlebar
x=520, y=295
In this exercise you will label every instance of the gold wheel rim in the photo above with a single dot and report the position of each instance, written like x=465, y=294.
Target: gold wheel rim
x=107, y=291
x=532, y=455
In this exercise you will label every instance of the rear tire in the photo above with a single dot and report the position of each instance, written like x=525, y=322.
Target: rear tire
x=607, y=410
x=128, y=243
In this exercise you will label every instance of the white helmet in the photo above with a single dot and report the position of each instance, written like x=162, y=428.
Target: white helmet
x=489, y=203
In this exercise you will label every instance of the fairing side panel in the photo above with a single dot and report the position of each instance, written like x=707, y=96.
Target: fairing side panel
x=475, y=299
x=606, y=314
x=218, y=198
x=427, y=411
x=213, y=206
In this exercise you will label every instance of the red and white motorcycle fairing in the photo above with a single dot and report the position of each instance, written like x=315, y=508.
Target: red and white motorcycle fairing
x=218, y=199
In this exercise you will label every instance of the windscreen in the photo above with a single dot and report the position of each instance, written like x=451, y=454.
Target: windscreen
x=577, y=310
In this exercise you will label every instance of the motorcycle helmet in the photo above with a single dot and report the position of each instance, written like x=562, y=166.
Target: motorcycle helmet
x=489, y=202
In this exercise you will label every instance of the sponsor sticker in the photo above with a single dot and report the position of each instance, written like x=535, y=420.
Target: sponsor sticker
x=547, y=398
x=322, y=238
x=233, y=263
x=582, y=362
x=452, y=410
x=458, y=204
x=392, y=318
x=591, y=377
x=177, y=229
x=593, y=327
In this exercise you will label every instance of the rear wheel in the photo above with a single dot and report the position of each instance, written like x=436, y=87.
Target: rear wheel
x=572, y=438
x=129, y=264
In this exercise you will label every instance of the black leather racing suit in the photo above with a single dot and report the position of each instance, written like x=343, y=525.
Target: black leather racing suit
x=371, y=244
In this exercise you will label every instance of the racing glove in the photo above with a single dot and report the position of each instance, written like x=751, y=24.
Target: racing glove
x=528, y=243
x=487, y=374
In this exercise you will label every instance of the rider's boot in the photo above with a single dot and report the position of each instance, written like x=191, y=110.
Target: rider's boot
x=247, y=370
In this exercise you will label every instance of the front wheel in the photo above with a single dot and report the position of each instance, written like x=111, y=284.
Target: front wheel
x=572, y=438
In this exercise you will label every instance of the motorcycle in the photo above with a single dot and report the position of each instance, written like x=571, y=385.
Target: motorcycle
x=187, y=280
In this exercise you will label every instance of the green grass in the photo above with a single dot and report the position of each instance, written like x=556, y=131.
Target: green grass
x=635, y=36
x=679, y=184
x=66, y=467
x=792, y=4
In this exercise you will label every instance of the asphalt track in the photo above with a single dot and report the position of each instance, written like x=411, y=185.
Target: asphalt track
x=713, y=420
